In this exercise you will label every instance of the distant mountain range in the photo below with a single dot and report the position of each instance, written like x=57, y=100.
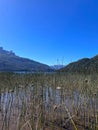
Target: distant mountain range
x=57, y=67
x=85, y=65
x=10, y=62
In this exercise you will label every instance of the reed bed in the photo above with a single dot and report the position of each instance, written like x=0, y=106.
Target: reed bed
x=48, y=101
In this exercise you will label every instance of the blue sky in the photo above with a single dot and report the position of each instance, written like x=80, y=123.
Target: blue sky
x=47, y=30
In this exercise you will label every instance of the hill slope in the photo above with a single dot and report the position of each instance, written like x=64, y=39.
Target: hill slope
x=85, y=65
x=10, y=62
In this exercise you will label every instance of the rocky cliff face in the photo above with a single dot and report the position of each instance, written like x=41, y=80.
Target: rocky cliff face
x=10, y=62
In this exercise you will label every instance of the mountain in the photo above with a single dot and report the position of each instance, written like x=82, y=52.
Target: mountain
x=85, y=65
x=57, y=67
x=10, y=62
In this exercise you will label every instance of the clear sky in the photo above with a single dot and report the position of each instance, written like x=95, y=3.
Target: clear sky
x=47, y=30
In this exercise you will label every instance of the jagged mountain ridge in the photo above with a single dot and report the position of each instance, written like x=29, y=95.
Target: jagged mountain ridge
x=10, y=62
